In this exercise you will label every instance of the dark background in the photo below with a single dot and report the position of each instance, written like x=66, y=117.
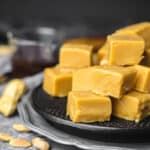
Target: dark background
x=102, y=15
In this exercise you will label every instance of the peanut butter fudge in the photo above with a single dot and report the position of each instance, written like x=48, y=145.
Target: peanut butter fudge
x=57, y=83
x=125, y=49
x=88, y=107
x=76, y=55
x=95, y=59
x=67, y=69
x=106, y=80
x=133, y=106
x=82, y=79
x=142, y=29
x=142, y=78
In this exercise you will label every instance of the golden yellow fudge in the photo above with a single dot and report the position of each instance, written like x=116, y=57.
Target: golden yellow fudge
x=67, y=69
x=133, y=106
x=57, y=83
x=103, y=54
x=76, y=55
x=96, y=42
x=142, y=29
x=103, y=51
x=82, y=79
x=88, y=107
x=125, y=49
x=106, y=80
x=142, y=78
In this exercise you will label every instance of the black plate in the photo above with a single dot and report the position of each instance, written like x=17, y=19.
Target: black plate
x=54, y=110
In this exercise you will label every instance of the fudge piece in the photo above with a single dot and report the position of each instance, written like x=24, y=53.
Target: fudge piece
x=106, y=80
x=88, y=107
x=82, y=79
x=76, y=55
x=141, y=29
x=103, y=55
x=96, y=42
x=57, y=83
x=67, y=69
x=133, y=106
x=142, y=78
x=125, y=49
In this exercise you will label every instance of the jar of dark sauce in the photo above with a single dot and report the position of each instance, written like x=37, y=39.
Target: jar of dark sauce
x=36, y=48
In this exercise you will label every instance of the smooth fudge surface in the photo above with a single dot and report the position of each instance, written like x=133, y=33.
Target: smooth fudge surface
x=82, y=79
x=85, y=107
x=96, y=42
x=133, y=106
x=57, y=83
x=75, y=55
x=142, y=78
x=125, y=49
x=106, y=80
x=141, y=29
x=67, y=69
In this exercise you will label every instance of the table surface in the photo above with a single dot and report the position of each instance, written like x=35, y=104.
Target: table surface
x=6, y=126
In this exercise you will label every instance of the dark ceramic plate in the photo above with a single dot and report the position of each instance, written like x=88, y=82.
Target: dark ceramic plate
x=53, y=109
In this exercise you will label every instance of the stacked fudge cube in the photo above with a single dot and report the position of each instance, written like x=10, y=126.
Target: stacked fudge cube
x=111, y=80
x=74, y=54
x=126, y=47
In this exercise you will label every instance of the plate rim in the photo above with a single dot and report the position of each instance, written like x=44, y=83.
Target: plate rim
x=56, y=136
x=81, y=126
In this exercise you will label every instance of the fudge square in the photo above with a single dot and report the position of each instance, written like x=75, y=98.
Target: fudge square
x=56, y=82
x=125, y=49
x=142, y=78
x=142, y=29
x=82, y=79
x=106, y=80
x=85, y=106
x=133, y=106
x=96, y=42
x=76, y=55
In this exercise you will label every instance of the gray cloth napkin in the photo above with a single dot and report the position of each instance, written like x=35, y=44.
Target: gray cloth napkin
x=5, y=64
